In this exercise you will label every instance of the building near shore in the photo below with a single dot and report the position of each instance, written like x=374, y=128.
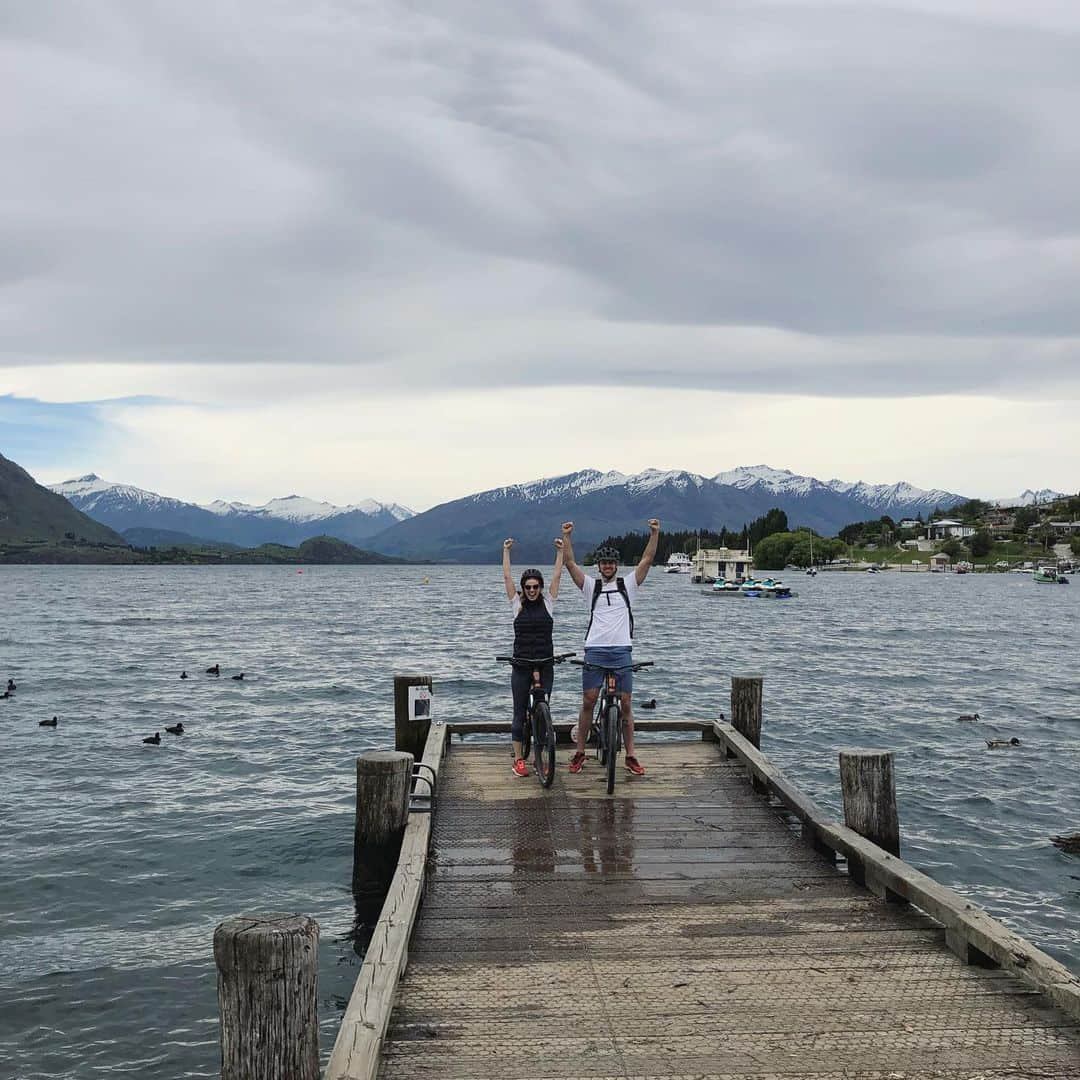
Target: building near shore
x=722, y=564
x=944, y=529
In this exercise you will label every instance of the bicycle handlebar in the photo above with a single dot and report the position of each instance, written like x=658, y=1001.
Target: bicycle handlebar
x=518, y=661
x=625, y=667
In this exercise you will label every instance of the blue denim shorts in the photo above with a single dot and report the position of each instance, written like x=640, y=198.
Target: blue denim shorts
x=612, y=656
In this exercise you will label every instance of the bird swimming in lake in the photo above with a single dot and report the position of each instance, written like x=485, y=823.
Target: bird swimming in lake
x=968, y=718
x=1001, y=744
x=154, y=739
x=650, y=704
x=1069, y=844
x=238, y=678
x=177, y=729
x=215, y=670
x=183, y=674
x=48, y=723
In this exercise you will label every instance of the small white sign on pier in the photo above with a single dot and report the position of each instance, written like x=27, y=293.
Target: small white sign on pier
x=419, y=702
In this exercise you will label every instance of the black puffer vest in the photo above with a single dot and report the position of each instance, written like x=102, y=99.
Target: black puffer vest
x=532, y=631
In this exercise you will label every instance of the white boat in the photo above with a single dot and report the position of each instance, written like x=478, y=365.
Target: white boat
x=678, y=563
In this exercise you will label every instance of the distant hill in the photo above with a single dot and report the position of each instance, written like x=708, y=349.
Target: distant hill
x=609, y=504
x=31, y=512
x=289, y=520
x=147, y=538
x=318, y=551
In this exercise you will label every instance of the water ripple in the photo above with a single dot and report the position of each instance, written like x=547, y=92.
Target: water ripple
x=118, y=859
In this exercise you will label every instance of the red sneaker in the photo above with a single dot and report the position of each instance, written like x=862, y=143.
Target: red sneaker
x=634, y=766
x=520, y=768
x=577, y=762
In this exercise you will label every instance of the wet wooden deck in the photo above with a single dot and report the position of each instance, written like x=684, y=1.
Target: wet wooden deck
x=681, y=929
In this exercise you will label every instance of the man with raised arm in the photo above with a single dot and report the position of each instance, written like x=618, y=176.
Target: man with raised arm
x=610, y=634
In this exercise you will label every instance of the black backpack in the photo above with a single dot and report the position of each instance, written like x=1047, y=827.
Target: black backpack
x=620, y=588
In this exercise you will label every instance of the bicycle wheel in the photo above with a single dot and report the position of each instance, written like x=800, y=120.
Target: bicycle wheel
x=526, y=737
x=611, y=729
x=543, y=744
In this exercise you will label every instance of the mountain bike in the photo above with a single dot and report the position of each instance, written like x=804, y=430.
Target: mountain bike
x=539, y=732
x=607, y=721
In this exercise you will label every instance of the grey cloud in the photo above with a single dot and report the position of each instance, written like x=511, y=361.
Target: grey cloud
x=395, y=186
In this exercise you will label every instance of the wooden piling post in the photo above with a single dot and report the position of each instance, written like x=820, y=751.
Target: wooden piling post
x=267, y=980
x=383, y=781
x=746, y=707
x=410, y=732
x=869, y=791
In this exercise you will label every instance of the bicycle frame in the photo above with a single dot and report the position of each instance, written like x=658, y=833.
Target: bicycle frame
x=539, y=734
x=609, y=743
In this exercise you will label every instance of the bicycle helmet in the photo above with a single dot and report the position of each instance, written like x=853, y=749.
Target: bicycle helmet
x=606, y=554
x=531, y=575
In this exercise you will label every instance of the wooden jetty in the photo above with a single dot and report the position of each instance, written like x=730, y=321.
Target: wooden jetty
x=706, y=922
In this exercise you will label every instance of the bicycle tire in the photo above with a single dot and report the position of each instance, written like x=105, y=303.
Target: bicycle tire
x=544, y=744
x=611, y=726
x=526, y=737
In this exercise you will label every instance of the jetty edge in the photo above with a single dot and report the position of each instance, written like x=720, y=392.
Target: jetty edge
x=975, y=937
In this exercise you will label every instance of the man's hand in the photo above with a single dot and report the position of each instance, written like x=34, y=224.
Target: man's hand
x=654, y=525
x=558, y=544
x=508, y=543
x=567, y=528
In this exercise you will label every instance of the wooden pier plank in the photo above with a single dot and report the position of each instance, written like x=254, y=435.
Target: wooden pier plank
x=678, y=930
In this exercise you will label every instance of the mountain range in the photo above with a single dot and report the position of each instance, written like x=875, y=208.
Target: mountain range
x=471, y=529
x=604, y=504
x=289, y=520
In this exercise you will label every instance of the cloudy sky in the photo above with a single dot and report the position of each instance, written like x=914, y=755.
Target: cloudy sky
x=410, y=251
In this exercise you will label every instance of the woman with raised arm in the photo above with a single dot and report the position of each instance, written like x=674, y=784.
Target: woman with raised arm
x=533, y=611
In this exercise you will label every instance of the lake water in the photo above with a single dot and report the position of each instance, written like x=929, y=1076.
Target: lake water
x=117, y=860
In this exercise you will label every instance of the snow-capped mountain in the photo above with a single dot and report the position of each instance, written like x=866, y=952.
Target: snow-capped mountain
x=887, y=497
x=1031, y=498
x=588, y=481
x=90, y=492
x=299, y=509
x=289, y=520
x=610, y=503
x=472, y=529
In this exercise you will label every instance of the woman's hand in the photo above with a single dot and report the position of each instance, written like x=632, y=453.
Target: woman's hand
x=508, y=543
x=558, y=544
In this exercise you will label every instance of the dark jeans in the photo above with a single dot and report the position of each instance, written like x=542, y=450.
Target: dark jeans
x=520, y=681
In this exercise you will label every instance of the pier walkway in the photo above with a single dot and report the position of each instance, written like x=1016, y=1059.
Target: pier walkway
x=693, y=925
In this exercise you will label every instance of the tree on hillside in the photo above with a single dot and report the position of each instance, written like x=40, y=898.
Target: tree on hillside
x=952, y=548
x=852, y=534
x=1025, y=517
x=1074, y=545
x=980, y=543
x=972, y=511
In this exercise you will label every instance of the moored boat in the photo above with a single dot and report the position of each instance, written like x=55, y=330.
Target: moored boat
x=1049, y=575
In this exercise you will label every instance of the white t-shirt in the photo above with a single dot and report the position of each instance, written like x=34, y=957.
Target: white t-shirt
x=610, y=617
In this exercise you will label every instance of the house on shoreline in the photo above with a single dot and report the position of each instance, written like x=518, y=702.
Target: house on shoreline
x=946, y=529
x=722, y=564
